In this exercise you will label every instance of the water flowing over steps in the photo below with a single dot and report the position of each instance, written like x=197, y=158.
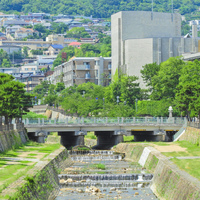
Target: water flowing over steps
x=119, y=179
x=96, y=177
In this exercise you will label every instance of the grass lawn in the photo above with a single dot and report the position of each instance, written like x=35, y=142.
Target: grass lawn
x=191, y=166
x=128, y=138
x=91, y=135
x=11, y=170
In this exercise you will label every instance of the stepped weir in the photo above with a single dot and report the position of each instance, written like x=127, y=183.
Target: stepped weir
x=104, y=174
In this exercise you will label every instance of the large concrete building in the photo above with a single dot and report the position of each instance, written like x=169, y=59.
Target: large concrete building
x=141, y=37
x=80, y=70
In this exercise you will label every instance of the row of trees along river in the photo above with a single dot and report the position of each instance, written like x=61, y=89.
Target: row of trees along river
x=14, y=101
x=172, y=83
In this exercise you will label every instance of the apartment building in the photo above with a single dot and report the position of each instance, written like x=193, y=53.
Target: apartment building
x=80, y=70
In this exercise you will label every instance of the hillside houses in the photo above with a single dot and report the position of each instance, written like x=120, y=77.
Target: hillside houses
x=19, y=31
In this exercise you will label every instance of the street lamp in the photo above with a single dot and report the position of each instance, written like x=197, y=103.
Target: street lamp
x=117, y=99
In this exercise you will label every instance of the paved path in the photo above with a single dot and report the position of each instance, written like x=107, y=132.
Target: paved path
x=20, y=159
x=188, y=157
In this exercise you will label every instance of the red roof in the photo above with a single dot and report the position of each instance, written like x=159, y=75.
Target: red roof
x=75, y=44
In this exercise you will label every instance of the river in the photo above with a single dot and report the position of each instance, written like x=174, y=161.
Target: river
x=104, y=175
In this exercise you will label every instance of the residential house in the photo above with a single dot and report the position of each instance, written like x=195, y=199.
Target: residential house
x=75, y=44
x=30, y=80
x=63, y=20
x=47, y=25
x=11, y=70
x=61, y=16
x=85, y=40
x=30, y=68
x=12, y=29
x=47, y=62
x=74, y=24
x=69, y=40
x=3, y=38
x=30, y=16
x=54, y=49
x=10, y=16
x=24, y=32
x=93, y=34
x=8, y=22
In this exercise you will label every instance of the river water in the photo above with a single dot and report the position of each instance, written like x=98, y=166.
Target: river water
x=104, y=175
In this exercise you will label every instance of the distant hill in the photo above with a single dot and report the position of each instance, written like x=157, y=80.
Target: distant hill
x=98, y=8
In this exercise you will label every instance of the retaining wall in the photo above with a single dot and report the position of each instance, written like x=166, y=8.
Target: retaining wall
x=42, y=180
x=12, y=138
x=169, y=182
x=192, y=135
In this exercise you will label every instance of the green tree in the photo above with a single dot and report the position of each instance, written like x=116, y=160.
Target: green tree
x=37, y=52
x=41, y=90
x=25, y=51
x=165, y=82
x=4, y=55
x=59, y=86
x=188, y=90
x=78, y=32
x=6, y=63
x=14, y=101
x=59, y=28
x=40, y=28
x=148, y=72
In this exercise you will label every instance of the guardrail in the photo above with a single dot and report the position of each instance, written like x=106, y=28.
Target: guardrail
x=180, y=132
x=194, y=124
x=108, y=120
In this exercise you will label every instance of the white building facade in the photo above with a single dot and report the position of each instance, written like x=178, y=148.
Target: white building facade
x=140, y=38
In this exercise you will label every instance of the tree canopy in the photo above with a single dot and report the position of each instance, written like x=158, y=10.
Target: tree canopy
x=174, y=82
x=101, y=8
x=14, y=101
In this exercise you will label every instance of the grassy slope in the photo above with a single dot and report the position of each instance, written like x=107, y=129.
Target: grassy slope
x=10, y=171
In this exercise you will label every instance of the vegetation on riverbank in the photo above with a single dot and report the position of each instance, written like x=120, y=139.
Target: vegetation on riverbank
x=32, y=115
x=98, y=166
x=15, y=163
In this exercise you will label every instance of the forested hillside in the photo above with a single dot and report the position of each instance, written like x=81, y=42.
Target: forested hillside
x=100, y=8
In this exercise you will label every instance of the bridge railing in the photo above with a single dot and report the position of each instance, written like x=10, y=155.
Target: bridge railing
x=108, y=120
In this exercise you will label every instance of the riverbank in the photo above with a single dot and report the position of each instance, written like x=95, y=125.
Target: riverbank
x=12, y=137
x=32, y=171
x=169, y=181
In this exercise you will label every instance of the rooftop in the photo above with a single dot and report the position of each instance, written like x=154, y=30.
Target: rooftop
x=57, y=46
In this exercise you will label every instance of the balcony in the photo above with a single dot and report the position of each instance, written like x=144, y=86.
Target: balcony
x=82, y=67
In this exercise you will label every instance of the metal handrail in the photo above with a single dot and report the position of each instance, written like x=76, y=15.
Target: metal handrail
x=109, y=120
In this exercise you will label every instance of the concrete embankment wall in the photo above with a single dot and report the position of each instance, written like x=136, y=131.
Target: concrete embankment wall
x=12, y=139
x=169, y=182
x=42, y=180
x=192, y=135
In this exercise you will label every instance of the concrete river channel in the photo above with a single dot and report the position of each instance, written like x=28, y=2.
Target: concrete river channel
x=98, y=174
